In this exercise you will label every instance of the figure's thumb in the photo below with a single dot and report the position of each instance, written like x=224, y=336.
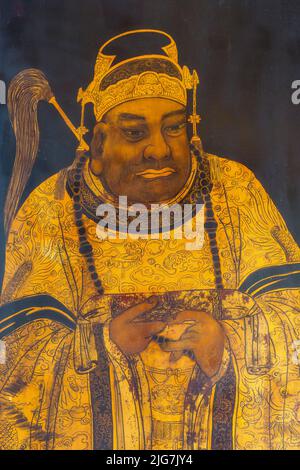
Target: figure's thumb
x=155, y=327
x=134, y=312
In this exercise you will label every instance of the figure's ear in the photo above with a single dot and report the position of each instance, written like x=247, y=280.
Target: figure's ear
x=97, y=147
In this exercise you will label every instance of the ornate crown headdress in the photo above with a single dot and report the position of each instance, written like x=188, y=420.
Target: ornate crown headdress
x=142, y=76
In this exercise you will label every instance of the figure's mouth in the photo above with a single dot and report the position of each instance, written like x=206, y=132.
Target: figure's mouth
x=152, y=173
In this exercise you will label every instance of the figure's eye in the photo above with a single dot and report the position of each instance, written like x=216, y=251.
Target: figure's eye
x=134, y=134
x=175, y=129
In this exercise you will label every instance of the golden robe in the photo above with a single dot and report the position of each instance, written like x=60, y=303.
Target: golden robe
x=49, y=400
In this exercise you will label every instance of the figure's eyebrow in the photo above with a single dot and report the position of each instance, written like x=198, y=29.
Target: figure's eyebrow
x=177, y=112
x=138, y=117
x=131, y=117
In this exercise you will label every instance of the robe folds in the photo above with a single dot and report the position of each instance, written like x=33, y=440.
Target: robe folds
x=65, y=384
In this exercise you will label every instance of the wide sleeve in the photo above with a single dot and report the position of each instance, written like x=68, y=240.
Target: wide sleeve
x=34, y=247
x=40, y=329
x=261, y=318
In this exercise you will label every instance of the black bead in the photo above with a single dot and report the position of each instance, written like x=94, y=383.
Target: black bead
x=85, y=248
x=209, y=212
x=204, y=190
x=77, y=178
x=76, y=198
x=78, y=214
x=212, y=224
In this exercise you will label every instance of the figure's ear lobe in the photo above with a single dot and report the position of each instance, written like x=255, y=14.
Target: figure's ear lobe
x=97, y=147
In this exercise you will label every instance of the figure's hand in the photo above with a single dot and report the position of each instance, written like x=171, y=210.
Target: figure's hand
x=205, y=338
x=132, y=335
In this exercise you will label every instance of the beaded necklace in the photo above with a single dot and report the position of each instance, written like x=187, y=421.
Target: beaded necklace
x=210, y=224
x=85, y=248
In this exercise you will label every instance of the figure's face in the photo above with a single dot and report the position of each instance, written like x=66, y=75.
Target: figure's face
x=141, y=150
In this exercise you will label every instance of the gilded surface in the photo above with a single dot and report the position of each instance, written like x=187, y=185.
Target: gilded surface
x=43, y=395
x=65, y=383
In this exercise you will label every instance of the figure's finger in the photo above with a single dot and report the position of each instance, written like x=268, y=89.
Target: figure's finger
x=186, y=316
x=179, y=345
x=193, y=330
x=153, y=327
x=191, y=336
x=133, y=312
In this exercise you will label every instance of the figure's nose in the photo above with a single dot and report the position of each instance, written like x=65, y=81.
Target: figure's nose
x=157, y=148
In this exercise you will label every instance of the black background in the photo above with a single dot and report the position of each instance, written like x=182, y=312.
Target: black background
x=246, y=52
